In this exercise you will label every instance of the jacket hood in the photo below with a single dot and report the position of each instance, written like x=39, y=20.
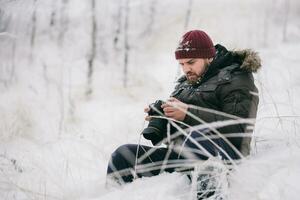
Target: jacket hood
x=250, y=59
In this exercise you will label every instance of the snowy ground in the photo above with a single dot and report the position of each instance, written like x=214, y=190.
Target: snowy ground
x=45, y=157
x=73, y=165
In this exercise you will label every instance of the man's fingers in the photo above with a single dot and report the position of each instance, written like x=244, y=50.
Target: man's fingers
x=170, y=114
x=147, y=118
x=169, y=109
x=147, y=109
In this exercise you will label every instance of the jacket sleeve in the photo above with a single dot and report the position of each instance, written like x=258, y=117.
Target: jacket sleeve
x=234, y=98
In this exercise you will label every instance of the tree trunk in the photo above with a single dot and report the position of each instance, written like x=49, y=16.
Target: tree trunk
x=60, y=88
x=53, y=14
x=63, y=23
x=91, y=58
x=126, y=45
x=119, y=25
x=151, y=19
x=285, y=20
x=188, y=14
x=33, y=31
x=71, y=102
x=13, y=57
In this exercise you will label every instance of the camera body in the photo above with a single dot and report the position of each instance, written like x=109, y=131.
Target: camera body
x=156, y=130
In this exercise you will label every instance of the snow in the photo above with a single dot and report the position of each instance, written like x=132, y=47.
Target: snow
x=271, y=175
x=158, y=187
x=55, y=141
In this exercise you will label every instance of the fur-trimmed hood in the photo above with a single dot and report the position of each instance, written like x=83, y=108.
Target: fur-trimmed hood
x=250, y=59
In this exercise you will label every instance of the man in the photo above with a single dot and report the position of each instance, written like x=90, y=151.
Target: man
x=206, y=113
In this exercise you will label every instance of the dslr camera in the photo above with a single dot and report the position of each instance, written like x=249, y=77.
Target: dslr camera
x=156, y=130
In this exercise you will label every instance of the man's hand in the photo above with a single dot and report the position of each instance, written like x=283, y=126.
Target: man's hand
x=175, y=109
x=146, y=110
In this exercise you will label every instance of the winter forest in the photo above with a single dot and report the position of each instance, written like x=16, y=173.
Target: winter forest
x=76, y=75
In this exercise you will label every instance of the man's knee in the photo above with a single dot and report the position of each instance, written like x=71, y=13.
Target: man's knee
x=124, y=154
x=121, y=162
x=124, y=150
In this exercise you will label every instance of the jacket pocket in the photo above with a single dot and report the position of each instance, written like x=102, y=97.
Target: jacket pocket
x=206, y=95
x=206, y=88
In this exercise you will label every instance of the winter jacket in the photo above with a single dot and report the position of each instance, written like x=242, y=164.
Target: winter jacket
x=227, y=86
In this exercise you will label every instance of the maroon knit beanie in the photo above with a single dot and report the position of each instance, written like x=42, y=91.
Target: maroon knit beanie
x=195, y=44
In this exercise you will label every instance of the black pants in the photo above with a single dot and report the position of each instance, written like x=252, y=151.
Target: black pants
x=131, y=160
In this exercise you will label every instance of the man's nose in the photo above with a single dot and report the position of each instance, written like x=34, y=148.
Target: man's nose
x=186, y=68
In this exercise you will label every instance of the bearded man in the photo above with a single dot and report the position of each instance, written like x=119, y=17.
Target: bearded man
x=206, y=115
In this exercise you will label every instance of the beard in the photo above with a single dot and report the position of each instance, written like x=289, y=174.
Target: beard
x=194, y=78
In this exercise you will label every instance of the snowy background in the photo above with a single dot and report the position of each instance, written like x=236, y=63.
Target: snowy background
x=75, y=76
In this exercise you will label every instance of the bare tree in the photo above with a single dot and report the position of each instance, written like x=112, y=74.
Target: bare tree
x=71, y=102
x=45, y=76
x=92, y=55
x=7, y=69
x=152, y=15
x=53, y=14
x=151, y=18
x=188, y=14
x=63, y=22
x=60, y=88
x=8, y=44
x=4, y=21
x=13, y=65
x=33, y=30
x=285, y=19
x=126, y=44
x=119, y=26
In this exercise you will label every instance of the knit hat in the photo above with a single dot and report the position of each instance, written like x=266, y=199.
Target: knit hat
x=195, y=44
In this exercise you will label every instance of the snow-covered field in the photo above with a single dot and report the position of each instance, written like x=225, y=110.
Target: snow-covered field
x=55, y=141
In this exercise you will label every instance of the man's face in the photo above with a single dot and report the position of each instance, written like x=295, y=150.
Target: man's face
x=193, y=68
